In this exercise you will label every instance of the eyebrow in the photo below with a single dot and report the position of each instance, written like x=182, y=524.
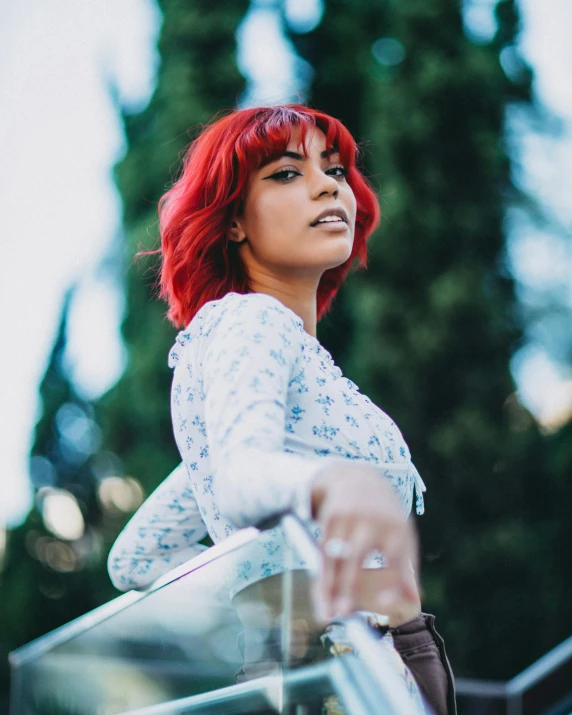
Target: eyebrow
x=300, y=157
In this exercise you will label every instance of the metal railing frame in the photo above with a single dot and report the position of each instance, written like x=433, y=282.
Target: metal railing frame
x=79, y=625
x=513, y=693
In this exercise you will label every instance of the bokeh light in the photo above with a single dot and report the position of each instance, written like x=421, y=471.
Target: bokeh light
x=303, y=15
x=42, y=472
x=61, y=513
x=388, y=51
x=79, y=433
x=120, y=494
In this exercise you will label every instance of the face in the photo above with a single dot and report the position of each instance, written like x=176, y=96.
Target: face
x=278, y=231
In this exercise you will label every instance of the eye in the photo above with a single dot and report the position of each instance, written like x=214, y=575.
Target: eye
x=339, y=171
x=285, y=175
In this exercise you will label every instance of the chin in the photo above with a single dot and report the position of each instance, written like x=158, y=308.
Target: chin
x=337, y=255
x=325, y=257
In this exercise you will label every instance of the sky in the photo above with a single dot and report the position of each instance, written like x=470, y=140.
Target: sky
x=60, y=136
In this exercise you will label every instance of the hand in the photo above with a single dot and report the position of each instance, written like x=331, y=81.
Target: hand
x=357, y=505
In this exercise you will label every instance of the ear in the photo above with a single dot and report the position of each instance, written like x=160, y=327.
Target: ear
x=236, y=232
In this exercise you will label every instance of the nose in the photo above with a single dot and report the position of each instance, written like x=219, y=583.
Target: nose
x=323, y=184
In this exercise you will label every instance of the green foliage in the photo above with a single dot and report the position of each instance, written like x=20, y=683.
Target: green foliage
x=198, y=78
x=427, y=332
x=433, y=322
x=47, y=581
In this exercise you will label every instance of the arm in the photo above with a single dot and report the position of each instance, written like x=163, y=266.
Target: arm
x=161, y=535
x=248, y=362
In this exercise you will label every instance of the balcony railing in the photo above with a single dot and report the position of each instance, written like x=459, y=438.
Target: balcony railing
x=544, y=688
x=197, y=641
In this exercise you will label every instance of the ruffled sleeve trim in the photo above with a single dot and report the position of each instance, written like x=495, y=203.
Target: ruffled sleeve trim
x=419, y=489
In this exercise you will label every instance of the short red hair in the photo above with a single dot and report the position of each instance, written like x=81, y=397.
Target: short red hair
x=199, y=262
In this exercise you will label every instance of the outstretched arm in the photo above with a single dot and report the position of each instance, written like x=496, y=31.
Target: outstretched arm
x=161, y=535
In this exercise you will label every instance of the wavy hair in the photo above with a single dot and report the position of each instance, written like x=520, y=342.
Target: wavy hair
x=199, y=262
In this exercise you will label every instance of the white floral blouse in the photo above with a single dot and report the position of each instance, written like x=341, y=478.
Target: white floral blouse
x=257, y=406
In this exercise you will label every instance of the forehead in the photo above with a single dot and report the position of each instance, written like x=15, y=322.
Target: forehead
x=267, y=143
x=313, y=140
x=311, y=143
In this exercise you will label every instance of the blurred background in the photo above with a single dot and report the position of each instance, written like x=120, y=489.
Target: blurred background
x=460, y=329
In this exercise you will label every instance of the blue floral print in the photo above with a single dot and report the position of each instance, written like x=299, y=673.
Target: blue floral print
x=258, y=408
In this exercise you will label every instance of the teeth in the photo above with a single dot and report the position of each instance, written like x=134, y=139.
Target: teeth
x=329, y=218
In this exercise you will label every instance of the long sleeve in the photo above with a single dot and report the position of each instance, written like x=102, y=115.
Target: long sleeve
x=252, y=356
x=258, y=409
x=162, y=534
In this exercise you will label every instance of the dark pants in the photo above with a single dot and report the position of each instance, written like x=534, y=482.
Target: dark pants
x=418, y=643
x=422, y=650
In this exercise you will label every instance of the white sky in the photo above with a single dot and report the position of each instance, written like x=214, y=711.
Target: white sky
x=60, y=136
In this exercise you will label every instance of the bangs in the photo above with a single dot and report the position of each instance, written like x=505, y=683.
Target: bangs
x=270, y=131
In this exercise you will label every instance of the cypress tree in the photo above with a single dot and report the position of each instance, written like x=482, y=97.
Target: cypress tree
x=428, y=331
x=198, y=77
x=52, y=575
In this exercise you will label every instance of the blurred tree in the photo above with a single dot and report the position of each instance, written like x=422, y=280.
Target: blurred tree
x=48, y=580
x=54, y=568
x=433, y=322
x=427, y=332
x=198, y=77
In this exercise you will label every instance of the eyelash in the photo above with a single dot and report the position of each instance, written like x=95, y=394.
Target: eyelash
x=279, y=175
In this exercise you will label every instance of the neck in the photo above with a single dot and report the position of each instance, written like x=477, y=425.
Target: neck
x=299, y=297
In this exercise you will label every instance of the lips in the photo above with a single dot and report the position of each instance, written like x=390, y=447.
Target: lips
x=331, y=212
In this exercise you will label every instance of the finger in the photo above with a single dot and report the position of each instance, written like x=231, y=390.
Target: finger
x=400, y=548
x=332, y=569
x=387, y=599
x=410, y=565
x=399, y=583
x=414, y=541
x=393, y=545
x=329, y=578
x=347, y=591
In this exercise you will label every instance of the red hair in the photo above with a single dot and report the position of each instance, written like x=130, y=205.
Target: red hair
x=199, y=262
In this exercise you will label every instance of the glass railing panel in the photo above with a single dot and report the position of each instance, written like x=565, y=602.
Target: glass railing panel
x=299, y=692
x=185, y=638
x=234, y=628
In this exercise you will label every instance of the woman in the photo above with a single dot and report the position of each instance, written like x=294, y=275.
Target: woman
x=257, y=235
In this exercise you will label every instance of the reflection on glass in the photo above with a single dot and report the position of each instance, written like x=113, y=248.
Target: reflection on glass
x=211, y=638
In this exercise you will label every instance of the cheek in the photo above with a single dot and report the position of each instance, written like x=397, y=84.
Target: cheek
x=262, y=212
x=350, y=203
x=271, y=213
x=272, y=219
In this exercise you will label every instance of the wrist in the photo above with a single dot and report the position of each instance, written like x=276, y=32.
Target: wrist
x=323, y=481
x=335, y=475
x=327, y=478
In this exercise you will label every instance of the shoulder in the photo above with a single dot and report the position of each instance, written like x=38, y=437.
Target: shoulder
x=253, y=318
x=256, y=309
